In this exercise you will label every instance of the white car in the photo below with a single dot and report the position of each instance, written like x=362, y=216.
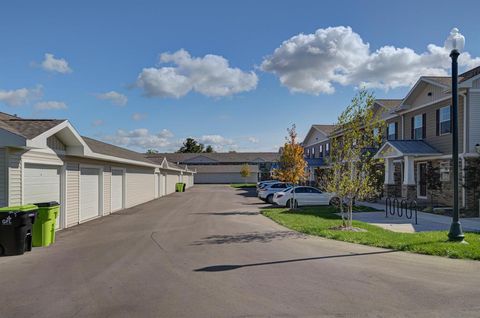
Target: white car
x=266, y=193
x=263, y=184
x=304, y=196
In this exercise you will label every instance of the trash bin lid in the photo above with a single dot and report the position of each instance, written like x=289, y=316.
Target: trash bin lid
x=47, y=204
x=19, y=208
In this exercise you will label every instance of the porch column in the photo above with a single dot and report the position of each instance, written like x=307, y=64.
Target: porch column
x=409, y=188
x=389, y=170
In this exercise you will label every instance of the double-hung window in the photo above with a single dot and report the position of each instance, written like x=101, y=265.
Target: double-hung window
x=444, y=120
x=313, y=152
x=321, y=151
x=392, y=131
x=418, y=127
x=327, y=149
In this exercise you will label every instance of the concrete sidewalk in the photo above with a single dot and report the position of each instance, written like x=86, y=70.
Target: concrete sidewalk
x=426, y=221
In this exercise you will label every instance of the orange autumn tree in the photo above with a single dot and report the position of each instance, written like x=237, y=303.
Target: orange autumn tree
x=292, y=165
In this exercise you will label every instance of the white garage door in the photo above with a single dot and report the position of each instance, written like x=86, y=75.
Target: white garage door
x=117, y=189
x=89, y=193
x=41, y=183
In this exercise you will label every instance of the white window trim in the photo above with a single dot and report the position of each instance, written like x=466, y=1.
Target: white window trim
x=415, y=128
x=440, y=121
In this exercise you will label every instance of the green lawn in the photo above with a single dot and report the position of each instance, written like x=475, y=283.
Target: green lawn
x=243, y=185
x=320, y=221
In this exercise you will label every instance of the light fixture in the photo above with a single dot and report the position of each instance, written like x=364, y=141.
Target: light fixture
x=455, y=41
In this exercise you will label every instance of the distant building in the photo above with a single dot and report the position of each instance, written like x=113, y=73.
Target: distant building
x=224, y=167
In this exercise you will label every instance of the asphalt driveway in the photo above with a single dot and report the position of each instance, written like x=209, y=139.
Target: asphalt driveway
x=208, y=253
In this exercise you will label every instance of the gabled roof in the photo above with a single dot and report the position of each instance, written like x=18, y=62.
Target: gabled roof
x=327, y=129
x=469, y=74
x=397, y=148
x=218, y=157
x=389, y=103
x=28, y=128
x=111, y=150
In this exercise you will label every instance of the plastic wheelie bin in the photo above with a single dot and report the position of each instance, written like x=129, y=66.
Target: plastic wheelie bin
x=44, y=228
x=16, y=229
x=180, y=187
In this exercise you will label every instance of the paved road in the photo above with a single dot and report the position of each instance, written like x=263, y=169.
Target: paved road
x=207, y=253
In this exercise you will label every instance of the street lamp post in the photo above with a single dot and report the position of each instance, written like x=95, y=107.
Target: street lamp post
x=455, y=42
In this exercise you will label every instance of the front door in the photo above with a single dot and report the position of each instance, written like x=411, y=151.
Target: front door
x=422, y=180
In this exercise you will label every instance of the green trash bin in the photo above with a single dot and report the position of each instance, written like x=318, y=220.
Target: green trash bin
x=180, y=187
x=44, y=227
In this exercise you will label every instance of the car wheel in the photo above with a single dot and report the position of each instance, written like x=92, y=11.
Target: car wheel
x=270, y=198
x=335, y=201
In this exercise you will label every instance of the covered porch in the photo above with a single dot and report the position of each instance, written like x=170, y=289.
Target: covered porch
x=405, y=171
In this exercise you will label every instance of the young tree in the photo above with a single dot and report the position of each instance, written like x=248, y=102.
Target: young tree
x=190, y=145
x=291, y=163
x=245, y=172
x=357, y=137
x=151, y=151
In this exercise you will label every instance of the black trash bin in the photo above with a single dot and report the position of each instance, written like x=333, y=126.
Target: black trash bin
x=16, y=229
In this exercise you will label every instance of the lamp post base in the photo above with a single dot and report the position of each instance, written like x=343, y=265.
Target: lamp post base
x=456, y=233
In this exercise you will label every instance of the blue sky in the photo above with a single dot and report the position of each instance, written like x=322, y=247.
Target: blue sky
x=158, y=100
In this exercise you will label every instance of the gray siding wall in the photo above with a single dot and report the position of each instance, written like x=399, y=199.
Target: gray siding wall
x=73, y=187
x=3, y=177
x=442, y=143
x=317, y=149
x=422, y=97
x=474, y=120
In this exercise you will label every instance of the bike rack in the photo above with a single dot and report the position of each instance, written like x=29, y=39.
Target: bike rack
x=401, y=208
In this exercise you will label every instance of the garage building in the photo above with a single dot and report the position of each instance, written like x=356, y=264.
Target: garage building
x=47, y=160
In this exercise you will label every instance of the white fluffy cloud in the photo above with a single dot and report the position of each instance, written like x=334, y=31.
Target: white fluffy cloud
x=114, y=97
x=253, y=140
x=140, y=138
x=50, y=105
x=218, y=142
x=165, y=133
x=313, y=63
x=52, y=64
x=210, y=75
x=21, y=96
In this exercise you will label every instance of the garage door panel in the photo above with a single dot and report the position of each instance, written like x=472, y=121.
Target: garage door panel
x=89, y=193
x=41, y=183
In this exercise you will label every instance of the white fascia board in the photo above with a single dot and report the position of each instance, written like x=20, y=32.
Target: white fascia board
x=93, y=155
x=9, y=139
x=75, y=144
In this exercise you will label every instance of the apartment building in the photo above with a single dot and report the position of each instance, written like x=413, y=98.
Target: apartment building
x=418, y=138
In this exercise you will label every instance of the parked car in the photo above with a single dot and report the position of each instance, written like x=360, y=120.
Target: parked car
x=263, y=184
x=304, y=196
x=266, y=193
